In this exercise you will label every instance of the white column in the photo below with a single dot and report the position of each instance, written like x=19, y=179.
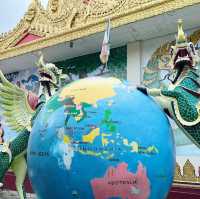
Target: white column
x=134, y=63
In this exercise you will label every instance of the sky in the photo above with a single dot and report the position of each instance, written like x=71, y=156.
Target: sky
x=12, y=11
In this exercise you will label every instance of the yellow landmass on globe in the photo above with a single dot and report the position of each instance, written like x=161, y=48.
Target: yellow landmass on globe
x=90, y=90
x=66, y=139
x=91, y=136
x=133, y=145
x=135, y=148
x=61, y=135
x=79, y=116
x=105, y=140
x=92, y=153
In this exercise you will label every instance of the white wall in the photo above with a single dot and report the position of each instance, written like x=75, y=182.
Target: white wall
x=134, y=59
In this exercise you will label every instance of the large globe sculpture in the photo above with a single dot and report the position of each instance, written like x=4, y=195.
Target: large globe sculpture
x=99, y=138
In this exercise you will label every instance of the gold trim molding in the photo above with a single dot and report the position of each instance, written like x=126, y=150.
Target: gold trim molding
x=66, y=20
x=188, y=175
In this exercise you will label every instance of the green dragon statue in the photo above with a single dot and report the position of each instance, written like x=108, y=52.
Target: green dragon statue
x=20, y=116
x=181, y=99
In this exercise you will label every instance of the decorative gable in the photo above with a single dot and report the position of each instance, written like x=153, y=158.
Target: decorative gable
x=67, y=20
x=27, y=38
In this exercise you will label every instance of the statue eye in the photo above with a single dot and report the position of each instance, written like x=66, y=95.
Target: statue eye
x=53, y=69
x=171, y=51
x=192, y=47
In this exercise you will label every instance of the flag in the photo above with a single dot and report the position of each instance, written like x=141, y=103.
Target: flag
x=105, y=49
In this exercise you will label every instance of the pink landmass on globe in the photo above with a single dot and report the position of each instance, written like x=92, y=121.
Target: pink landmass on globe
x=119, y=182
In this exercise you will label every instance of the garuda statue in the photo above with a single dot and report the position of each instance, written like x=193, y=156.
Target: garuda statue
x=20, y=115
x=181, y=99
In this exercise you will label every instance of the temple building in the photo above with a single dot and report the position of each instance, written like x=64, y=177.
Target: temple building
x=69, y=33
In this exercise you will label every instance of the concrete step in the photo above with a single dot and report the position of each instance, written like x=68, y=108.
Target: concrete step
x=5, y=194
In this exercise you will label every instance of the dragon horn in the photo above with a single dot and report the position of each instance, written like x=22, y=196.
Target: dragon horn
x=2, y=77
x=41, y=62
x=181, y=37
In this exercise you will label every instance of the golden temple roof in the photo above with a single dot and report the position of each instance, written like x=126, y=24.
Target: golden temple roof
x=66, y=20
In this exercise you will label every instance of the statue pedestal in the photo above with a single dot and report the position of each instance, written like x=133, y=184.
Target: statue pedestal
x=9, y=183
x=184, y=191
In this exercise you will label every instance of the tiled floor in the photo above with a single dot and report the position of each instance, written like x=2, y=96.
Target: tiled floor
x=13, y=195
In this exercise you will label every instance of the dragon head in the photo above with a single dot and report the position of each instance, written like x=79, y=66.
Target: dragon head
x=183, y=53
x=48, y=72
x=50, y=76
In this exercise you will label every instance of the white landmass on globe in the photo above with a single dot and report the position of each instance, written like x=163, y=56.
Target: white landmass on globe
x=68, y=155
x=63, y=149
x=135, y=190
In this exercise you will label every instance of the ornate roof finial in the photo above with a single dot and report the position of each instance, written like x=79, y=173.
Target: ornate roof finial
x=36, y=4
x=31, y=11
x=181, y=37
x=53, y=5
x=33, y=2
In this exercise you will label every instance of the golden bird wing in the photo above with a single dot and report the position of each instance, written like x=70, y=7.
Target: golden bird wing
x=14, y=103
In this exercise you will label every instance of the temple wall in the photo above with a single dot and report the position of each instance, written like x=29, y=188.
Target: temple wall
x=134, y=58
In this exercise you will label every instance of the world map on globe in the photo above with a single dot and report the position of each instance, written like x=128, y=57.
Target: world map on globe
x=100, y=138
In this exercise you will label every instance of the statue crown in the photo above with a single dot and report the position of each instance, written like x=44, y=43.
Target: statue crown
x=181, y=37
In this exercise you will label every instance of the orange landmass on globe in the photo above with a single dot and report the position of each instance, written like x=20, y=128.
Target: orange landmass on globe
x=91, y=136
x=90, y=90
x=119, y=182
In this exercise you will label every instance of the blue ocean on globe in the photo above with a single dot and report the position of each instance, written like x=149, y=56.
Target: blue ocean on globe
x=99, y=138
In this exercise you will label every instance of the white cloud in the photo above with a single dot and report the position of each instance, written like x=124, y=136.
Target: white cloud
x=12, y=11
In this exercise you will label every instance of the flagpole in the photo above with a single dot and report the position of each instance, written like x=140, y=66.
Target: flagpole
x=108, y=40
x=105, y=49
